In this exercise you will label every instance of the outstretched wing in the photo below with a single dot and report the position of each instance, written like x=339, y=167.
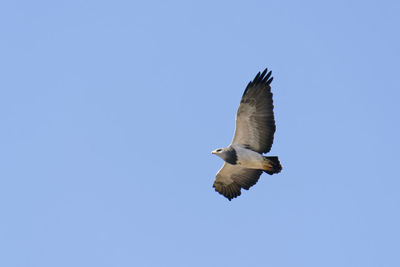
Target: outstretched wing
x=231, y=178
x=255, y=123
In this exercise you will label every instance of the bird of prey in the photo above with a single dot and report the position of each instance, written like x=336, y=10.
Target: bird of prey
x=254, y=135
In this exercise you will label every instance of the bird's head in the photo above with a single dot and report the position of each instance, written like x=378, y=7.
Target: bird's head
x=217, y=151
x=220, y=152
x=228, y=154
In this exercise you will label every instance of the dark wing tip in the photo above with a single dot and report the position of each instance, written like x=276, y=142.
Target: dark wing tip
x=261, y=78
x=267, y=77
x=230, y=191
x=263, y=74
x=257, y=78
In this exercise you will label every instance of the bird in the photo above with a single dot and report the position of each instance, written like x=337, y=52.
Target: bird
x=244, y=161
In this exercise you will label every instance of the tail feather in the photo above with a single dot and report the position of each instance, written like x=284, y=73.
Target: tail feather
x=273, y=165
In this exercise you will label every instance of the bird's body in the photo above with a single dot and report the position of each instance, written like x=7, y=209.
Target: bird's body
x=254, y=134
x=248, y=158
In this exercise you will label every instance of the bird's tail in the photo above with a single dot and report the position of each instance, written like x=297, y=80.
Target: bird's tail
x=272, y=165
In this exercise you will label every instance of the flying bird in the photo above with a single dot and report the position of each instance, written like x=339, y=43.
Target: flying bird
x=254, y=135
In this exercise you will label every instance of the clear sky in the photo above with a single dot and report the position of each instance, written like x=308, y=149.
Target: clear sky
x=109, y=111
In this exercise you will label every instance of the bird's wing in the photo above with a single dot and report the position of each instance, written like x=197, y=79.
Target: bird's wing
x=231, y=178
x=255, y=123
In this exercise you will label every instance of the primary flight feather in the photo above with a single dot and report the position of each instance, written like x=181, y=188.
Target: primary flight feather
x=254, y=135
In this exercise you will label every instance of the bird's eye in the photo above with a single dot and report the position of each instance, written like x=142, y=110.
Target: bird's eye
x=218, y=150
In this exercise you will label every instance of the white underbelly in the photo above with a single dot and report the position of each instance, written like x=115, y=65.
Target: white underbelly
x=248, y=158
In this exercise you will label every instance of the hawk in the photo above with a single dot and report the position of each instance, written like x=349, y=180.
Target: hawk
x=254, y=135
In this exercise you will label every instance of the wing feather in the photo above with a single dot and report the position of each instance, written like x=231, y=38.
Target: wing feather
x=255, y=123
x=231, y=178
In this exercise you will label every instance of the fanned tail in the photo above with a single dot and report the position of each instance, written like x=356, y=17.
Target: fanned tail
x=272, y=165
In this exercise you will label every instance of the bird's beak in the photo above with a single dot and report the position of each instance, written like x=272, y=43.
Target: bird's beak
x=213, y=152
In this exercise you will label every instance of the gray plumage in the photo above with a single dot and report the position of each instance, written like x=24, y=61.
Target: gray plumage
x=229, y=155
x=254, y=135
x=231, y=178
x=255, y=123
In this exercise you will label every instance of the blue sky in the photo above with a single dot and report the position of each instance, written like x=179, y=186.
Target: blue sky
x=109, y=111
